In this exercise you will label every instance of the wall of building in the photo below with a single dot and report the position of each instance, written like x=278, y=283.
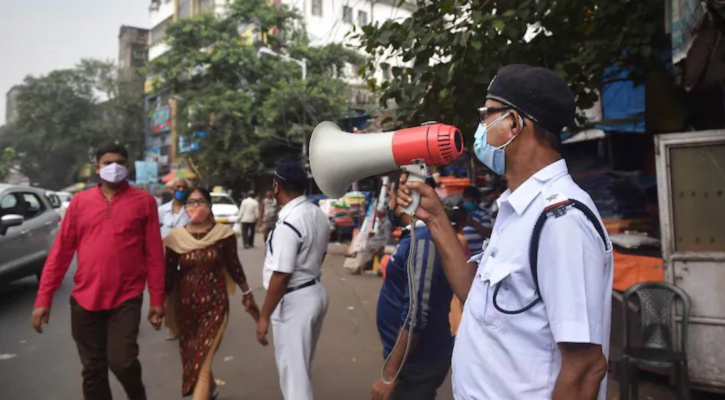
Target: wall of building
x=133, y=53
x=330, y=21
x=161, y=12
x=11, y=104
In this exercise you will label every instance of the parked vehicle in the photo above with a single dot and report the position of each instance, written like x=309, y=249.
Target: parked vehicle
x=691, y=188
x=63, y=199
x=28, y=225
x=224, y=208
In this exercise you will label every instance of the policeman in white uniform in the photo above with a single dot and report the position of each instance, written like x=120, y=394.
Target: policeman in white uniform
x=536, y=319
x=296, y=301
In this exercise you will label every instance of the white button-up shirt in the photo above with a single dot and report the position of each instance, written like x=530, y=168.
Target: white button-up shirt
x=168, y=220
x=298, y=243
x=501, y=356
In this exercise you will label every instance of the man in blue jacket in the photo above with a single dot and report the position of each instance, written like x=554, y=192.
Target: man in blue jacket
x=426, y=367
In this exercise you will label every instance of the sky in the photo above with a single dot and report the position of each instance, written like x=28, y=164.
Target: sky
x=39, y=36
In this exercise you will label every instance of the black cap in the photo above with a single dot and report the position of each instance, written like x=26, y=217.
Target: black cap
x=537, y=93
x=291, y=171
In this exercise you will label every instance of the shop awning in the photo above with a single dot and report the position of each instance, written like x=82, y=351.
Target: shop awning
x=178, y=173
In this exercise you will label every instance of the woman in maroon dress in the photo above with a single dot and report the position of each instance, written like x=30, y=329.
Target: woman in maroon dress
x=209, y=267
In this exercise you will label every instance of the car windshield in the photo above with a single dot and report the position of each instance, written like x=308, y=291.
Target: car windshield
x=64, y=197
x=222, y=200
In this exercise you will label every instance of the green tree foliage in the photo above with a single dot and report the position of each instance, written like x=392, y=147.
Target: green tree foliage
x=64, y=115
x=254, y=107
x=6, y=162
x=455, y=47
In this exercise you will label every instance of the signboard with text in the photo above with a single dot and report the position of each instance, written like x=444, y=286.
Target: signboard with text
x=161, y=120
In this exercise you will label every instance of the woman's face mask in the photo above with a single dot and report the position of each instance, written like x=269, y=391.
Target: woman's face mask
x=197, y=210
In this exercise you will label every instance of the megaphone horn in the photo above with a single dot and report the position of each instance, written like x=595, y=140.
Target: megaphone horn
x=338, y=158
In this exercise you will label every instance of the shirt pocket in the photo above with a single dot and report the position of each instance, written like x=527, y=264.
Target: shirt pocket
x=491, y=274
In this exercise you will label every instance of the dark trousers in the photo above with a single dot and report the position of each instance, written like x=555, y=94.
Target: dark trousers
x=248, y=230
x=420, y=381
x=108, y=339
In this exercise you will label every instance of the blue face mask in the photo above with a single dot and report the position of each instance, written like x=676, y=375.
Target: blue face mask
x=180, y=195
x=492, y=157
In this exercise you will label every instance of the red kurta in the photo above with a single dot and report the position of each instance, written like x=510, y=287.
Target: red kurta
x=119, y=249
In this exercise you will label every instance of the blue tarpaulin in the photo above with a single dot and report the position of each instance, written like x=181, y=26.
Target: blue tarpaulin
x=622, y=100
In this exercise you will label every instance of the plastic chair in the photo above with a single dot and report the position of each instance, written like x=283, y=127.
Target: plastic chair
x=658, y=348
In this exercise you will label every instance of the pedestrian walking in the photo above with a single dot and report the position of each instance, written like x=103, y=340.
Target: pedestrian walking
x=114, y=228
x=536, y=320
x=269, y=213
x=172, y=215
x=202, y=258
x=296, y=301
x=248, y=216
x=428, y=360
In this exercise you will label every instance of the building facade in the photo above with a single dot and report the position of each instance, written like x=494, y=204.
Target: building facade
x=326, y=22
x=11, y=104
x=133, y=54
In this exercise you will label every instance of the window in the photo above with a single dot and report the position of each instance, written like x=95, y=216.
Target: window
x=362, y=18
x=139, y=54
x=317, y=8
x=8, y=205
x=184, y=8
x=203, y=6
x=347, y=14
x=158, y=32
x=221, y=199
x=33, y=205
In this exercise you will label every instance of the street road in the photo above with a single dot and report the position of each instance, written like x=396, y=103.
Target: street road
x=46, y=367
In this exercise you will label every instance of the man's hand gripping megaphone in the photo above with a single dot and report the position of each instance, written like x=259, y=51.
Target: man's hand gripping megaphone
x=430, y=206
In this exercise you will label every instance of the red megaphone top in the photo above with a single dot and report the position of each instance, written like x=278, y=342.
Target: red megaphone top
x=434, y=144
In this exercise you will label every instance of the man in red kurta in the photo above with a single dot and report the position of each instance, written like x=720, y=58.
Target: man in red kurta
x=114, y=228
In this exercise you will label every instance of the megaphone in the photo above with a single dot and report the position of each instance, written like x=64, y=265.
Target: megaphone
x=338, y=158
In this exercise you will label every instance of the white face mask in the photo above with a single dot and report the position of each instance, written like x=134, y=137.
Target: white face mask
x=113, y=173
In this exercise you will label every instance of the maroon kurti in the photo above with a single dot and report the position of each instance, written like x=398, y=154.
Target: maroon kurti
x=202, y=300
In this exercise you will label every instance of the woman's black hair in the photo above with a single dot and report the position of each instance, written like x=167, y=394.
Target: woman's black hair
x=204, y=192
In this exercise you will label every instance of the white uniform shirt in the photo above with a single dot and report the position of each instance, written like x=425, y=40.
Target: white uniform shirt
x=249, y=211
x=168, y=220
x=298, y=243
x=501, y=356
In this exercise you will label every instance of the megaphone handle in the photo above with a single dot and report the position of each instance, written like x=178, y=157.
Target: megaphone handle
x=416, y=173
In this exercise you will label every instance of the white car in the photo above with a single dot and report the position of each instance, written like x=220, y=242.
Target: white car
x=64, y=198
x=225, y=209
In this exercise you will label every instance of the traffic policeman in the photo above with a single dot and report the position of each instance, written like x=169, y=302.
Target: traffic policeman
x=536, y=320
x=296, y=301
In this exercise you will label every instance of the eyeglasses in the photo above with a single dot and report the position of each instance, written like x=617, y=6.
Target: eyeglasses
x=197, y=203
x=485, y=112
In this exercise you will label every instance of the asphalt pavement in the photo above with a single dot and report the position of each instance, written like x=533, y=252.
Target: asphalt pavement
x=46, y=366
